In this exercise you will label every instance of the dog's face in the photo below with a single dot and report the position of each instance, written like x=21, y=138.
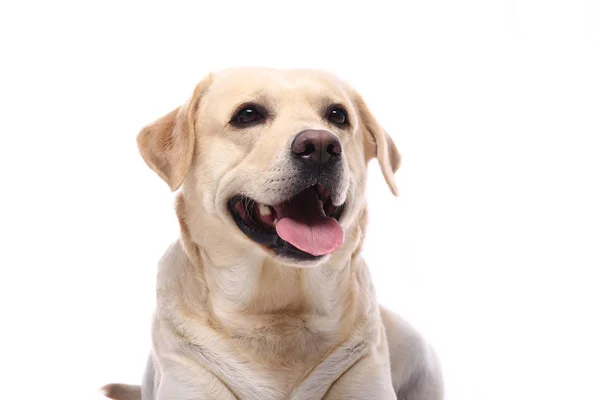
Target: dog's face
x=277, y=158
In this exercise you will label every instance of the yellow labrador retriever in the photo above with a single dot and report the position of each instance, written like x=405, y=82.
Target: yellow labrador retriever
x=266, y=295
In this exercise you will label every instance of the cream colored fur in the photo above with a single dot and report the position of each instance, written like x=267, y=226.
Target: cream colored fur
x=234, y=321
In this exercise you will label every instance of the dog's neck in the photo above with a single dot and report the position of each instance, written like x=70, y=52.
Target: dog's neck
x=250, y=297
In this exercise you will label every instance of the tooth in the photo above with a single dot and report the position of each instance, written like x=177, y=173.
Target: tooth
x=275, y=221
x=264, y=210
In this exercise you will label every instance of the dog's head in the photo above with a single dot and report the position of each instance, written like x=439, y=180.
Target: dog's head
x=273, y=161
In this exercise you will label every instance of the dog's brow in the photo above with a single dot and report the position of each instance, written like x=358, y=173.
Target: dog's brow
x=327, y=100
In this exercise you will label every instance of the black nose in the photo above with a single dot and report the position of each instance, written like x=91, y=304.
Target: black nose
x=317, y=148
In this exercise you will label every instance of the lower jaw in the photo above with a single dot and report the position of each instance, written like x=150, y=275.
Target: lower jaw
x=273, y=243
x=286, y=250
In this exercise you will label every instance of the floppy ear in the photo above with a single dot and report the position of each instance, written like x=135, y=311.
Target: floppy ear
x=379, y=144
x=167, y=144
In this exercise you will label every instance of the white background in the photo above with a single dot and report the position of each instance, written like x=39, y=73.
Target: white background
x=491, y=250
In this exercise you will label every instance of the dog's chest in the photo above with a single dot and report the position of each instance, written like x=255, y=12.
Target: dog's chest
x=286, y=341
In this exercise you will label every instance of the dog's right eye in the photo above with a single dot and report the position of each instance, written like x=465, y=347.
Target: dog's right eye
x=246, y=115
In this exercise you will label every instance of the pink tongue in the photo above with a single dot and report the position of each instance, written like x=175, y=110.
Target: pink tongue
x=322, y=237
x=303, y=224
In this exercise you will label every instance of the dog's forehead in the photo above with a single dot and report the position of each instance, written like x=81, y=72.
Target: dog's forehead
x=242, y=84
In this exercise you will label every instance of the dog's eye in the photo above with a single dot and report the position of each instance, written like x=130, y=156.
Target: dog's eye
x=338, y=116
x=247, y=115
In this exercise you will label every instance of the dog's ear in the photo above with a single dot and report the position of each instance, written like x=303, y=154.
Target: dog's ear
x=167, y=144
x=378, y=144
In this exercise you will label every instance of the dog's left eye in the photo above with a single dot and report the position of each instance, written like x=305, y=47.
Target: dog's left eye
x=338, y=116
x=247, y=115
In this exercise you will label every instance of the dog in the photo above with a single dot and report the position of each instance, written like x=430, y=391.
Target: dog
x=265, y=295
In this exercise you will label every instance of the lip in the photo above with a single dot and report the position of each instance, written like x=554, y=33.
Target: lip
x=266, y=235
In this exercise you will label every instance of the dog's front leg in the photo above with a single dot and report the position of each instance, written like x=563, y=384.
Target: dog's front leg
x=186, y=381
x=368, y=379
x=203, y=367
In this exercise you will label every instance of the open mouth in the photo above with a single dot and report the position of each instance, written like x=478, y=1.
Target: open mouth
x=304, y=227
